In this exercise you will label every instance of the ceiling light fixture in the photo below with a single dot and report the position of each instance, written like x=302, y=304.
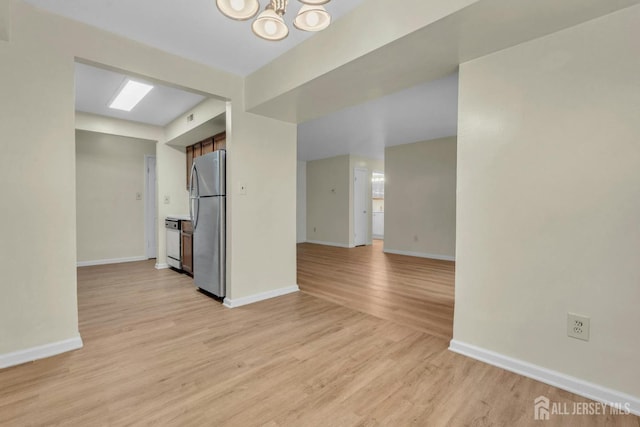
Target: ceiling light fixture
x=130, y=95
x=270, y=24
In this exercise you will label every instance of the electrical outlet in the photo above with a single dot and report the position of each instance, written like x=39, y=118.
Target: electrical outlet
x=167, y=200
x=578, y=326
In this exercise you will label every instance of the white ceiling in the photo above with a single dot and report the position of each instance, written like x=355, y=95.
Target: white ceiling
x=96, y=88
x=193, y=29
x=201, y=33
x=420, y=113
x=423, y=112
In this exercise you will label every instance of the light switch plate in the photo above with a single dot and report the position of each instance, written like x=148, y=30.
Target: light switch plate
x=167, y=200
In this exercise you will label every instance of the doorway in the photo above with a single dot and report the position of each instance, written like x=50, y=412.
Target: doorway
x=360, y=207
x=377, y=205
x=150, y=211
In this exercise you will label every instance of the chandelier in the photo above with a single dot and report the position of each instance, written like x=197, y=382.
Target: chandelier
x=270, y=25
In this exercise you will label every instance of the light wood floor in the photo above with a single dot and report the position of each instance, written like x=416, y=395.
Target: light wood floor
x=416, y=292
x=157, y=352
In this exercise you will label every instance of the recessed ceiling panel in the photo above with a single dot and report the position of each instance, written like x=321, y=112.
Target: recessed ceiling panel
x=96, y=88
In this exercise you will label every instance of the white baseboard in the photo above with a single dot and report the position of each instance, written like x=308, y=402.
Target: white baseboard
x=378, y=236
x=239, y=302
x=162, y=266
x=421, y=255
x=548, y=376
x=338, y=245
x=111, y=261
x=39, y=352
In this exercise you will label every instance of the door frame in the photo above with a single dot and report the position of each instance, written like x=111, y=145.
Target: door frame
x=150, y=207
x=373, y=234
x=365, y=197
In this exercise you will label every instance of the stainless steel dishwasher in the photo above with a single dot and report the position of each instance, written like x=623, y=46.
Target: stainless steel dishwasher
x=173, y=242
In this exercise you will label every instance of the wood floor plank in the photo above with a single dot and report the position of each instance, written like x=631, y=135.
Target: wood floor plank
x=157, y=352
x=416, y=292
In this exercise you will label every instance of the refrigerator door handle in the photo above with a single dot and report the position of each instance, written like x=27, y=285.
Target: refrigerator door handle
x=193, y=198
x=195, y=220
x=193, y=168
x=191, y=209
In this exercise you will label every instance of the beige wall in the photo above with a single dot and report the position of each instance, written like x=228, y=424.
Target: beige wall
x=202, y=113
x=171, y=181
x=170, y=168
x=318, y=76
x=301, y=203
x=420, y=198
x=548, y=201
x=328, y=201
x=261, y=230
x=109, y=172
x=108, y=125
x=330, y=198
x=5, y=20
x=38, y=304
x=393, y=48
x=37, y=171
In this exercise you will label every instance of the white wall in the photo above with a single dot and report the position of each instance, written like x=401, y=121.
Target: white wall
x=301, y=203
x=420, y=198
x=549, y=201
x=328, y=201
x=109, y=173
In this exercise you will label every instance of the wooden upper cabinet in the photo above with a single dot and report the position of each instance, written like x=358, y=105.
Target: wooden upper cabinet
x=209, y=145
x=197, y=149
x=220, y=141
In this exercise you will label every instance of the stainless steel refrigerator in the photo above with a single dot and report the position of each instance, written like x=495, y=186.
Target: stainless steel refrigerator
x=207, y=191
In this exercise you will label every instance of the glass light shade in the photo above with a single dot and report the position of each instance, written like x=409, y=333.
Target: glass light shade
x=240, y=10
x=270, y=26
x=315, y=2
x=312, y=18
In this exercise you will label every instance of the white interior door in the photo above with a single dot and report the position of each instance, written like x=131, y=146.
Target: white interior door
x=150, y=211
x=360, y=207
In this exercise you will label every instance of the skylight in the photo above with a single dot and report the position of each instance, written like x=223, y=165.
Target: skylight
x=130, y=95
